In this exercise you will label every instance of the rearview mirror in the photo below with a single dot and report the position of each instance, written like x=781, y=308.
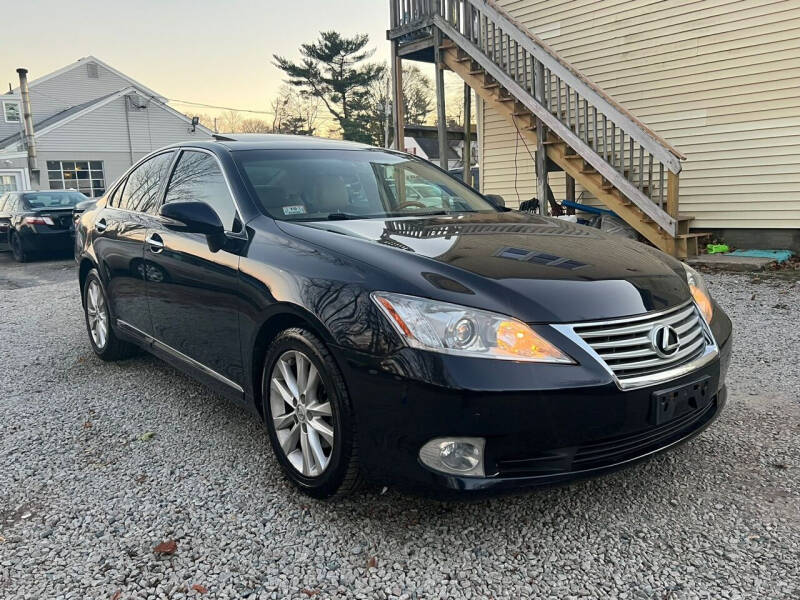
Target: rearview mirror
x=195, y=217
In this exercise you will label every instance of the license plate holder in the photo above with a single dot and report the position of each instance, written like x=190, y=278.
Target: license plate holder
x=673, y=402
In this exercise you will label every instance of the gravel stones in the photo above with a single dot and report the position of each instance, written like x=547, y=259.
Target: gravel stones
x=82, y=506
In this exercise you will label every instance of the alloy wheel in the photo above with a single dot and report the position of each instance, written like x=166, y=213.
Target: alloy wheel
x=301, y=413
x=97, y=314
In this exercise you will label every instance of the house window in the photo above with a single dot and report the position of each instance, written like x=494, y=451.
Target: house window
x=86, y=176
x=11, y=112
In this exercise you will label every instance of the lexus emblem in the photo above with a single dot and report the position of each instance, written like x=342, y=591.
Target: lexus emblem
x=664, y=340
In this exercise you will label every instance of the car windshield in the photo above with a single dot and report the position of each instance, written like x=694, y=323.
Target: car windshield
x=312, y=185
x=53, y=199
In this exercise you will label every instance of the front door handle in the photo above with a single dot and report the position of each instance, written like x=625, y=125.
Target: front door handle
x=155, y=243
x=101, y=225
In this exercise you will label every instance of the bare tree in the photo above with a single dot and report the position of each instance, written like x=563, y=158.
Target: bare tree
x=295, y=112
x=254, y=126
x=230, y=121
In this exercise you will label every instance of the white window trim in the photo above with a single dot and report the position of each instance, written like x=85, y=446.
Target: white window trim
x=19, y=111
x=23, y=174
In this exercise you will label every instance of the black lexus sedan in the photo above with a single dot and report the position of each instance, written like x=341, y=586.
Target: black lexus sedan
x=37, y=222
x=451, y=347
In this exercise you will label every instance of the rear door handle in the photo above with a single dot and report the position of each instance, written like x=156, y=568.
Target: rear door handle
x=101, y=225
x=155, y=243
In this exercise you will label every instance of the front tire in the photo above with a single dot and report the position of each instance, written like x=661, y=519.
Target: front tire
x=309, y=415
x=17, y=250
x=104, y=341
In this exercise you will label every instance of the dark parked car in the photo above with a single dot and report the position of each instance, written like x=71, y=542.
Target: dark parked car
x=35, y=222
x=457, y=347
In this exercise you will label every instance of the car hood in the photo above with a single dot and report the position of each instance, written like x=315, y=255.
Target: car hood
x=537, y=268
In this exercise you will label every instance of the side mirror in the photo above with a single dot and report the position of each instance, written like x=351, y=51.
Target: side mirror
x=195, y=217
x=497, y=200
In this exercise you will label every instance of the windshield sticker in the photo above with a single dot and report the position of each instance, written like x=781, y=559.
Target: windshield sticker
x=297, y=209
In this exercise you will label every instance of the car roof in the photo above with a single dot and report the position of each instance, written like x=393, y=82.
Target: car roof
x=273, y=141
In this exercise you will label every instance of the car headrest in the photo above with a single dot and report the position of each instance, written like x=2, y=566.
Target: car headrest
x=330, y=194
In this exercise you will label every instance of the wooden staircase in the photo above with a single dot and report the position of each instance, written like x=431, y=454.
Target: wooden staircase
x=593, y=139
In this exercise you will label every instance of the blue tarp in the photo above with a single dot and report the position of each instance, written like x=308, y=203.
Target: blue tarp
x=589, y=209
x=778, y=255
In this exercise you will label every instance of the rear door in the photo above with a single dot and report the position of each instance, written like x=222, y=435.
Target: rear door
x=118, y=239
x=194, y=294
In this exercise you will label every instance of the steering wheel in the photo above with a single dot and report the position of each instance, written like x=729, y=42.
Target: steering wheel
x=409, y=203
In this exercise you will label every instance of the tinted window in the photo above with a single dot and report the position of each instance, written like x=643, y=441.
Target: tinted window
x=198, y=178
x=141, y=190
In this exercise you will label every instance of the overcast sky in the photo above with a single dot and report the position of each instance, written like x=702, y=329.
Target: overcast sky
x=211, y=51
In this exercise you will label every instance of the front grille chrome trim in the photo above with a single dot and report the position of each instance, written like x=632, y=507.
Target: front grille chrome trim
x=621, y=358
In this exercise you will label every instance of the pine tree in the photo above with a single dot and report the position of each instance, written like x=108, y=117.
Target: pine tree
x=334, y=70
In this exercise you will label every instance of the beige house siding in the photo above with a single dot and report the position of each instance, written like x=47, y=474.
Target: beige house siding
x=717, y=78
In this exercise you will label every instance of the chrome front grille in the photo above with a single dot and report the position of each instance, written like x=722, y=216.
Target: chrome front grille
x=627, y=345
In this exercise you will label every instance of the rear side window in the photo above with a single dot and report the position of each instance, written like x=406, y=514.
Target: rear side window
x=141, y=189
x=198, y=178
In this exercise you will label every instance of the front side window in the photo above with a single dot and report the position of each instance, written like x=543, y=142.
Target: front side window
x=11, y=112
x=198, y=178
x=140, y=193
x=85, y=176
x=309, y=185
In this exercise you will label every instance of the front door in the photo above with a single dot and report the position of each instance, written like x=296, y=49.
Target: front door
x=119, y=233
x=193, y=293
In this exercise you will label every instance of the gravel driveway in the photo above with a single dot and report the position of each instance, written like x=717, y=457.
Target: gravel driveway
x=100, y=463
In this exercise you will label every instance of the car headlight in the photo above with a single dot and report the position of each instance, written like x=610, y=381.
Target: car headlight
x=697, y=285
x=453, y=329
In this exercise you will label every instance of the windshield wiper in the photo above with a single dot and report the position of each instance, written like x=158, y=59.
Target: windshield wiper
x=341, y=216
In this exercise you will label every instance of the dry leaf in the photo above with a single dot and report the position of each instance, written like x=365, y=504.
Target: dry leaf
x=372, y=562
x=200, y=589
x=87, y=424
x=310, y=593
x=117, y=595
x=168, y=547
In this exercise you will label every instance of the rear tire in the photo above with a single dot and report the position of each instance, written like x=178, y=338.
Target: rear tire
x=309, y=416
x=104, y=341
x=17, y=251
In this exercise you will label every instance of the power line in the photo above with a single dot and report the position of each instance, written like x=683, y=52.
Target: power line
x=247, y=110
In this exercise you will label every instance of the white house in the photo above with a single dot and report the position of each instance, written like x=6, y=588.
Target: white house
x=91, y=123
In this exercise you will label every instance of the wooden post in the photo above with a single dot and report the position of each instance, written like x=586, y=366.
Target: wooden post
x=541, y=149
x=397, y=99
x=440, y=106
x=672, y=194
x=467, y=154
x=570, y=192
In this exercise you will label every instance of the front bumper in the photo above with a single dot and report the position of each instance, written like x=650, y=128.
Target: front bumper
x=574, y=423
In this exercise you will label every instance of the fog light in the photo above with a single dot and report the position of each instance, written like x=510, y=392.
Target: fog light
x=460, y=456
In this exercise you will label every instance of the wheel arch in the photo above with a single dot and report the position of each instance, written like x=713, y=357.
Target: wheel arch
x=85, y=266
x=280, y=318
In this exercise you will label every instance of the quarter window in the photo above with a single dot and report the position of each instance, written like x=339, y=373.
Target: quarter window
x=198, y=178
x=86, y=176
x=141, y=189
x=11, y=112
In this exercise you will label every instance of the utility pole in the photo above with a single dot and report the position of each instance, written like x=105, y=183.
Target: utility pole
x=27, y=115
x=467, y=154
x=387, y=115
x=440, y=106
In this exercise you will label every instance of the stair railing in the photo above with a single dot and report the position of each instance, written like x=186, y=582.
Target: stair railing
x=621, y=148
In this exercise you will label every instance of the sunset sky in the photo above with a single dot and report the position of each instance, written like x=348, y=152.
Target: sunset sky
x=213, y=52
